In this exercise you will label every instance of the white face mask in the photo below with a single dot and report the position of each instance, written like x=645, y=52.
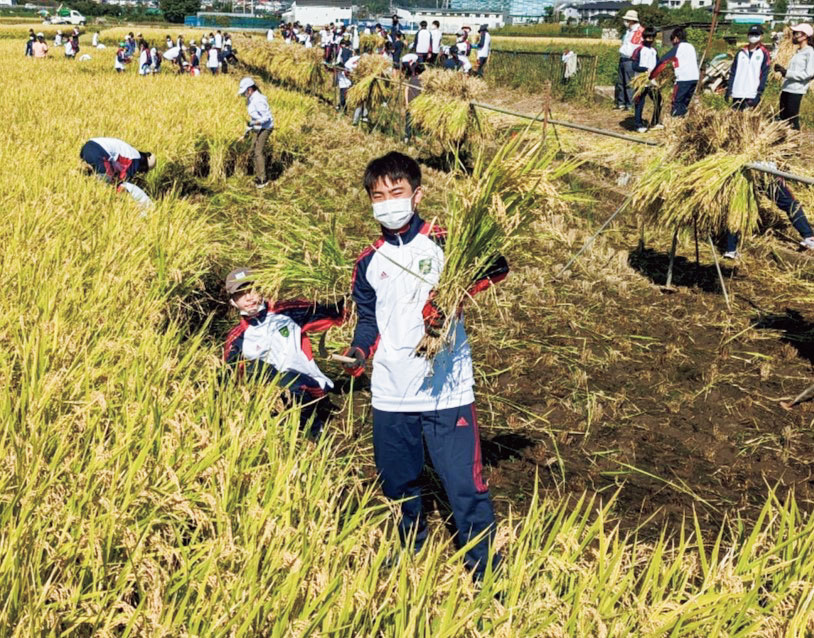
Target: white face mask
x=754, y=39
x=393, y=213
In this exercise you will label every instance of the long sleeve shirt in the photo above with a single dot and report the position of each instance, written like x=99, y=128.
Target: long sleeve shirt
x=422, y=42
x=259, y=111
x=484, y=45
x=631, y=39
x=683, y=59
x=800, y=72
x=644, y=59
x=748, y=73
x=392, y=281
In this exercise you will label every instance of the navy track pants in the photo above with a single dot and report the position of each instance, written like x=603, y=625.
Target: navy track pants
x=453, y=443
x=682, y=94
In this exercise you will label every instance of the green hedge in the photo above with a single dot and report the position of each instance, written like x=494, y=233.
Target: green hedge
x=551, y=30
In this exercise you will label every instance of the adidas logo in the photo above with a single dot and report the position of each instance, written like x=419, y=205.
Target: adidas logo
x=462, y=423
x=383, y=275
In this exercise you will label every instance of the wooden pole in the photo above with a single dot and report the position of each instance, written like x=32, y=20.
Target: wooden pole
x=720, y=274
x=672, y=259
x=714, y=25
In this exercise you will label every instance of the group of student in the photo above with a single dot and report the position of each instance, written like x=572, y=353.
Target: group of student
x=36, y=46
x=216, y=48
x=747, y=75
x=339, y=41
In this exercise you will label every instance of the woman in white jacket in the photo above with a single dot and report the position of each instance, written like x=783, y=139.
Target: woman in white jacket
x=798, y=76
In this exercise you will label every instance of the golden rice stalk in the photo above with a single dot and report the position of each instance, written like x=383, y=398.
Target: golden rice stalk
x=700, y=175
x=452, y=84
x=370, y=43
x=664, y=80
x=370, y=82
x=485, y=217
x=784, y=53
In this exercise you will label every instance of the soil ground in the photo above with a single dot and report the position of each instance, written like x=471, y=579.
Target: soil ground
x=602, y=381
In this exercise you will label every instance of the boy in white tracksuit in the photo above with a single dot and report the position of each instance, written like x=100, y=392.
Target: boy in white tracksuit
x=749, y=72
x=271, y=342
x=416, y=400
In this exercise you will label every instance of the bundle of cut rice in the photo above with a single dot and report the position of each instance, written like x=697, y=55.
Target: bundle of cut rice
x=487, y=214
x=370, y=82
x=700, y=174
x=664, y=81
x=443, y=110
x=370, y=43
x=290, y=64
x=784, y=53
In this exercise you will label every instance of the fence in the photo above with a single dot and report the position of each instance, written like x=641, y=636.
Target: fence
x=227, y=21
x=532, y=70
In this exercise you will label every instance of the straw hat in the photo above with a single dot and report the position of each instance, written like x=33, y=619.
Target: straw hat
x=631, y=15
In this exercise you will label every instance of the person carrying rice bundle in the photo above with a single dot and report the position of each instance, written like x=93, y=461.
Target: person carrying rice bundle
x=683, y=59
x=798, y=76
x=644, y=61
x=418, y=400
x=749, y=72
x=271, y=344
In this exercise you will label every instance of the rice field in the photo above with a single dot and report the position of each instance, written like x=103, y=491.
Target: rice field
x=646, y=482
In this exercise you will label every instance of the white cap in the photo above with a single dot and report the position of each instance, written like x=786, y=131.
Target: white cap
x=245, y=84
x=40, y=35
x=631, y=15
x=803, y=27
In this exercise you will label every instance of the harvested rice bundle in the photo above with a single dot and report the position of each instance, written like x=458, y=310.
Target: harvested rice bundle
x=485, y=217
x=700, y=176
x=370, y=43
x=784, y=53
x=443, y=110
x=370, y=82
x=664, y=81
x=290, y=64
x=305, y=262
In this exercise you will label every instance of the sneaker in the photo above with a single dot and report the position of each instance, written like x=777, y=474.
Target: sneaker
x=406, y=140
x=731, y=254
x=657, y=127
x=261, y=184
x=641, y=129
x=808, y=243
x=619, y=107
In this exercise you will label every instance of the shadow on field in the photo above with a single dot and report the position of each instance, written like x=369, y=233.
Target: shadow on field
x=653, y=265
x=504, y=447
x=796, y=331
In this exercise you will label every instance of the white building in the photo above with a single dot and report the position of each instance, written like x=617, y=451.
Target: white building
x=5, y=3
x=452, y=21
x=799, y=12
x=753, y=11
x=319, y=12
x=568, y=13
x=593, y=12
x=677, y=4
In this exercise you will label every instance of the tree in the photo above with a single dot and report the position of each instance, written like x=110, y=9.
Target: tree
x=176, y=10
x=780, y=7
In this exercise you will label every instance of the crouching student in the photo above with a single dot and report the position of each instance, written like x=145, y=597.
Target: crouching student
x=780, y=194
x=116, y=162
x=271, y=342
x=644, y=61
x=417, y=400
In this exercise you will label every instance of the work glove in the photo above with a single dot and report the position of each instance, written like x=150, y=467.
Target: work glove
x=654, y=84
x=357, y=368
x=780, y=69
x=247, y=131
x=433, y=317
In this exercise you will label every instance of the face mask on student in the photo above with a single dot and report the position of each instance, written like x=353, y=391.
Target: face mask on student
x=754, y=39
x=393, y=213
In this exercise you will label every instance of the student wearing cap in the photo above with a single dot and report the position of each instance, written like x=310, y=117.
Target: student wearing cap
x=798, y=76
x=121, y=57
x=630, y=41
x=484, y=48
x=684, y=60
x=116, y=162
x=39, y=48
x=749, y=72
x=58, y=38
x=260, y=125
x=271, y=343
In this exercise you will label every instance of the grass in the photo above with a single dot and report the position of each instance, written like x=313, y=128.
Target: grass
x=143, y=495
